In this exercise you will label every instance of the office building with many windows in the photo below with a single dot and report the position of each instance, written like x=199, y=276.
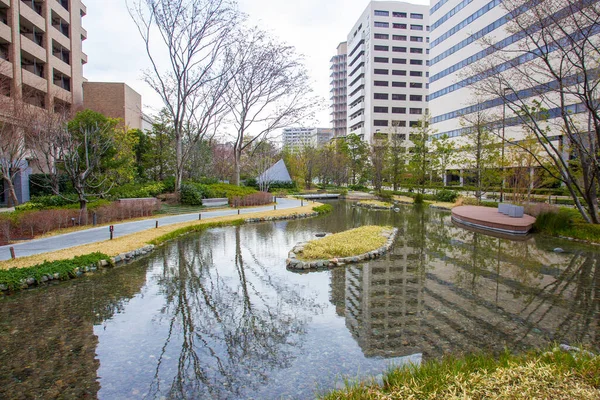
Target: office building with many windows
x=41, y=51
x=296, y=138
x=388, y=69
x=480, y=62
x=338, y=90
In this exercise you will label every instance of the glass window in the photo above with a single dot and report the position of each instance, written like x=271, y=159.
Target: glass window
x=416, y=50
x=398, y=84
x=382, y=60
x=381, y=72
x=381, y=109
x=399, y=49
x=416, y=97
x=399, y=60
x=399, y=14
x=381, y=83
x=416, y=27
x=398, y=110
x=416, y=73
x=416, y=85
x=380, y=96
x=381, y=48
x=381, y=13
x=397, y=96
x=415, y=111
x=400, y=26
x=399, y=37
x=382, y=24
x=381, y=36
x=416, y=39
x=416, y=16
x=399, y=72
x=416, y=62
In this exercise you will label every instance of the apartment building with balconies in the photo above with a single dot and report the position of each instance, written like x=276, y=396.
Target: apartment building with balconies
x=339, y=82
x=388, y=69
x=41, y=57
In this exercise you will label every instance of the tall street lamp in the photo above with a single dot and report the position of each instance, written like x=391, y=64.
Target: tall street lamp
x=506, y=90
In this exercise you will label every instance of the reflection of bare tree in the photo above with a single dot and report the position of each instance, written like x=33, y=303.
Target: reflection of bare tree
x=227, y=332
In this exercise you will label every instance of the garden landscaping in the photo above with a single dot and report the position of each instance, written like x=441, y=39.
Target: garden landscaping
x=68, y=263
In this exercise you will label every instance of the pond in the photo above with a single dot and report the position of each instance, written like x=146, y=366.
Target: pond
x=217, y=315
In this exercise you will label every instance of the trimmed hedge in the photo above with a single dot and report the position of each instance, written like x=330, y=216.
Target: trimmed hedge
x=15, y=278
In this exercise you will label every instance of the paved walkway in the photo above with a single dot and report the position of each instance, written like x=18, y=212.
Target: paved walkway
x=93, y=235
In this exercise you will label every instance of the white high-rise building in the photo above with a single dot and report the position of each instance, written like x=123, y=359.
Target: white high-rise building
x=388, y=69
x=339, y=82
x=297, y=138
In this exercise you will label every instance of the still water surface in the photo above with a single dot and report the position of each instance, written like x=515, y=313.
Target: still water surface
x=217, y=315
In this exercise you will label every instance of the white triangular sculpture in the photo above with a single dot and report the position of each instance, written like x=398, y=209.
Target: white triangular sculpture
x=277, y=173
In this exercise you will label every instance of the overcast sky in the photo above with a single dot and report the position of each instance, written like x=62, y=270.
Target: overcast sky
x=315, y=27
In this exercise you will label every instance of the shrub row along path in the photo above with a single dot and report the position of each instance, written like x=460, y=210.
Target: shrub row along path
x=93, y=235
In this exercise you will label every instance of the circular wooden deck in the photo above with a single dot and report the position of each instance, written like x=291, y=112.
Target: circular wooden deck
x=490, y=219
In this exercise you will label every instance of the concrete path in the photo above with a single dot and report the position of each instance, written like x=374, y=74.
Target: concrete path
x=93, y=235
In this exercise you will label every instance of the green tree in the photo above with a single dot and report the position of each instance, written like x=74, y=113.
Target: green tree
x=162, y=155
x=480, y=153
x=96, y=155
x=420, y=163
x=444, y=155
x=357, y=152
x=378, y=156
x=397, y=158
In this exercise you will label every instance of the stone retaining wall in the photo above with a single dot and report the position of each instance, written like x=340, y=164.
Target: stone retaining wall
x=295, y=264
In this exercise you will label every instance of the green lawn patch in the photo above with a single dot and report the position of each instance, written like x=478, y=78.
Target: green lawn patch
x=14, y=278
x=553, y=374
x=346, y=244
x=323, y=209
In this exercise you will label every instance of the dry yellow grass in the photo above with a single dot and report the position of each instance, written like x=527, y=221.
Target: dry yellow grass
x=346, y=244
x=137, y=240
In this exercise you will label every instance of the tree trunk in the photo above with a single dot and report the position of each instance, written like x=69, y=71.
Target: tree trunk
x=12, y=194
x=236, y=167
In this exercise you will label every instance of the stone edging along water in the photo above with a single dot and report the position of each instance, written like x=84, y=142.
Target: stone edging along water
x=129, y=256
x=294, y=264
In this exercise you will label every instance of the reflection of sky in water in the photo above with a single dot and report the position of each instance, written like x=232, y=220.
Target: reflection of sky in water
x=218, y=316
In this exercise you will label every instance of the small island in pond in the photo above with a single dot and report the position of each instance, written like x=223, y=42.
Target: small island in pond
x=352, y=246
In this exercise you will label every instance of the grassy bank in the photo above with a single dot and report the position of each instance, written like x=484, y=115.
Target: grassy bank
x=553, y=374
x=140, y=239
x=566, y=222
x=346, y=244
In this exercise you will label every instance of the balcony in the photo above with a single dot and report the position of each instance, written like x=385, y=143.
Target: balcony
x=31, y=47
x=83, y=34
x=5, y=33
x=356, y=108
x=356, y=84
x=5, y=3
x=356, y=96
x=61, y=66
x=58, y=9
x=356, y=120
x=33, y=80
x=6, y=69
x=61, y=39
x=33, y=18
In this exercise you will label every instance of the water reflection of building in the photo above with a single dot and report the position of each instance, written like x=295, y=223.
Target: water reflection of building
x=47, y=341
x=383, y=300
x=451, y=290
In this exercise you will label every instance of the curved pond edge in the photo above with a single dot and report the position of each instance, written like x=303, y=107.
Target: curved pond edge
x=294, y=264
x=127, y=257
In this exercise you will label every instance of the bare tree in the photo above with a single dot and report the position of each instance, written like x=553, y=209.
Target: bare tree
x=549, y=79
x=269, y=90
x=46, y=130
x=192, y=35
x=378, y=154
x=13, y=150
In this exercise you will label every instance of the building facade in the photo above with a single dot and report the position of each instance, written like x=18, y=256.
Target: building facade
x=297, y=138
x=474, y=47
x=115, y=100
x=41, y=51
x=339, y=75
x=388, y=69
x=41, y=62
